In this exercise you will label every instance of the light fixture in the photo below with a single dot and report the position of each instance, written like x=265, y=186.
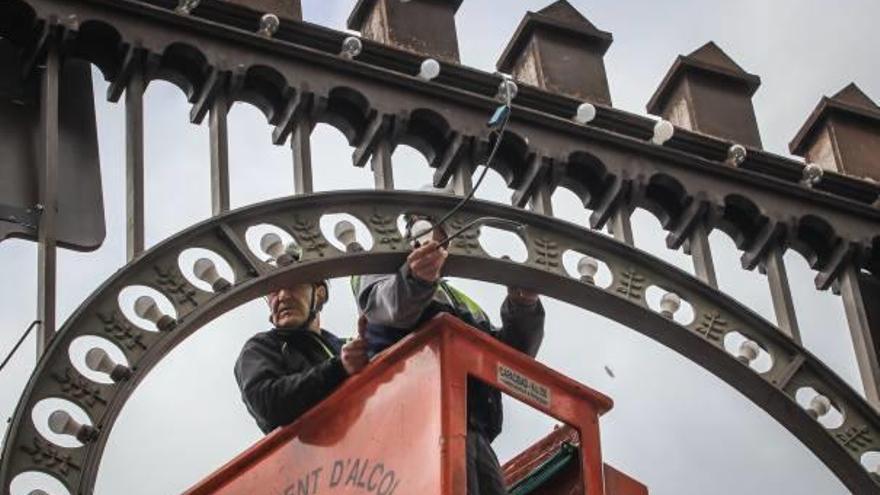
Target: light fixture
x=586, y=112
x=344, y=232
x=269, y=25
x=185, y=7
x=61, y=423
x=812, y=175
x=670, y=304
x=748, y=352
x=663, y=131
x=98, y=360
x=205, y=270
x=282, y=255
x=146, y=308
x=429, y=69
x=736, y=155
x=587, y=268
x=819, y=406
x=351, y=47
x=507, y=89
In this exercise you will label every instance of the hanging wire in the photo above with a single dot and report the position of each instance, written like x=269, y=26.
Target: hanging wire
x=20, y=341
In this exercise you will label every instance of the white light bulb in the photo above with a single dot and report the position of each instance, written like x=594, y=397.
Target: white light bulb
x=185, y=7
x=351, y=47
x=422, y=231
x=98, y=360
x=344, y=231
x=748, y=351
x=271, y=244
x=812, y=175
x=507, y=89
x=204, y=269
x=663, y=131
x=269, y=25
x=586, y=112
x=430, y=69
x=146, y=308
x=587, y=268
x=61, y=423
x=736, y=155
x=819, y=406
x=670, y=304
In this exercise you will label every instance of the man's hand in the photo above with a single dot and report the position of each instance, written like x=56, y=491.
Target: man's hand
x=522, y=297
x=354, y=354
x=426, y=262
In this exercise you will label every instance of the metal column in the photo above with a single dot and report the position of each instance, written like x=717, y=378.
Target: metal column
x=48, y=187
x=701, y=253
x=134, y=162
x=780, y=293
x=854, y=305
x=301, y=146
x=219, y=153
x=381, y=163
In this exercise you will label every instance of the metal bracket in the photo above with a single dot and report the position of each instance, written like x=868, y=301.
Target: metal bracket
x=28, y=218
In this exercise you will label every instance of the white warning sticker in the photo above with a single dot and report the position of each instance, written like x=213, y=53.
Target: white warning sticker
x=523, y=385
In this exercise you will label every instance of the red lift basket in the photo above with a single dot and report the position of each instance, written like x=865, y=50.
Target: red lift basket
x=399, y=427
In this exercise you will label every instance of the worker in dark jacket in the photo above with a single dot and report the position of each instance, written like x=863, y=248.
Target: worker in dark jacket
x=396, y=304
x=285, y=371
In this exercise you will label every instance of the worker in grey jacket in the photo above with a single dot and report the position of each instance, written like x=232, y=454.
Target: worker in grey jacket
x=395, y=304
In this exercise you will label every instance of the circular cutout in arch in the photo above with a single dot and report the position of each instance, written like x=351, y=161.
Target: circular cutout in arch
x=576, y=262
x=808, y=396
x=871, y=462
x=187, y=262
x=28, y=482
x=83, y=344
x=44, y=409
x=330, y=227
x=128, y=300
x=500, y=243
x=748, y=352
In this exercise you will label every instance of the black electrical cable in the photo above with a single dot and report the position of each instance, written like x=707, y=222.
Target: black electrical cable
x=489, y=160
x=18, y=344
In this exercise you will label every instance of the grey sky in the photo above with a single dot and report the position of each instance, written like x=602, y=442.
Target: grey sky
x=674, y=426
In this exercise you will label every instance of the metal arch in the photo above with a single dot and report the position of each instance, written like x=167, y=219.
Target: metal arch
x=547, y=239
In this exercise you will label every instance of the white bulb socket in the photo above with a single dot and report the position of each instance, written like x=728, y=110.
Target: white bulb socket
x=587, y=268
x=352, y=46
x=812, y=175
x=146, y=308
x=507, y=90
x=586, y=112
x=269, y=24
x=282, y=255
x=670, y=304
x=61, y=423
x=663, y=131
x=819, y=406
x=204, y=269
x=429, y=69
x=98, y=360
x=345, y=233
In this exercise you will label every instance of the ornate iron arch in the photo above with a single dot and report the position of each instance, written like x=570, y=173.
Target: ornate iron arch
x=547, y=239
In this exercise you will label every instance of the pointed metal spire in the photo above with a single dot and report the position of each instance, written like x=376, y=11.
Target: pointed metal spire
x=706, y=91
x=559, y=50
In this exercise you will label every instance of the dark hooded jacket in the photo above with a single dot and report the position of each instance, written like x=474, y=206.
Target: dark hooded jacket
x=283, y=373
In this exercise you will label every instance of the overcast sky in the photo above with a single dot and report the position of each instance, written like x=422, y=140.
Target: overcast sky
x=674, y=426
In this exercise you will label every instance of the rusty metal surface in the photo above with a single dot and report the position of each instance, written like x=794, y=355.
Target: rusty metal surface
x=546, y=239
x=80, y=222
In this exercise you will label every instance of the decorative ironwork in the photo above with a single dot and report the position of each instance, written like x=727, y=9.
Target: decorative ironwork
x=47, y=456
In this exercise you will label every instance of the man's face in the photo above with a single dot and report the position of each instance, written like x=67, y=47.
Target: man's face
x=290, y=306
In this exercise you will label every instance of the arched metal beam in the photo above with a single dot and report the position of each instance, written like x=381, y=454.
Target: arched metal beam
x=547, y=239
